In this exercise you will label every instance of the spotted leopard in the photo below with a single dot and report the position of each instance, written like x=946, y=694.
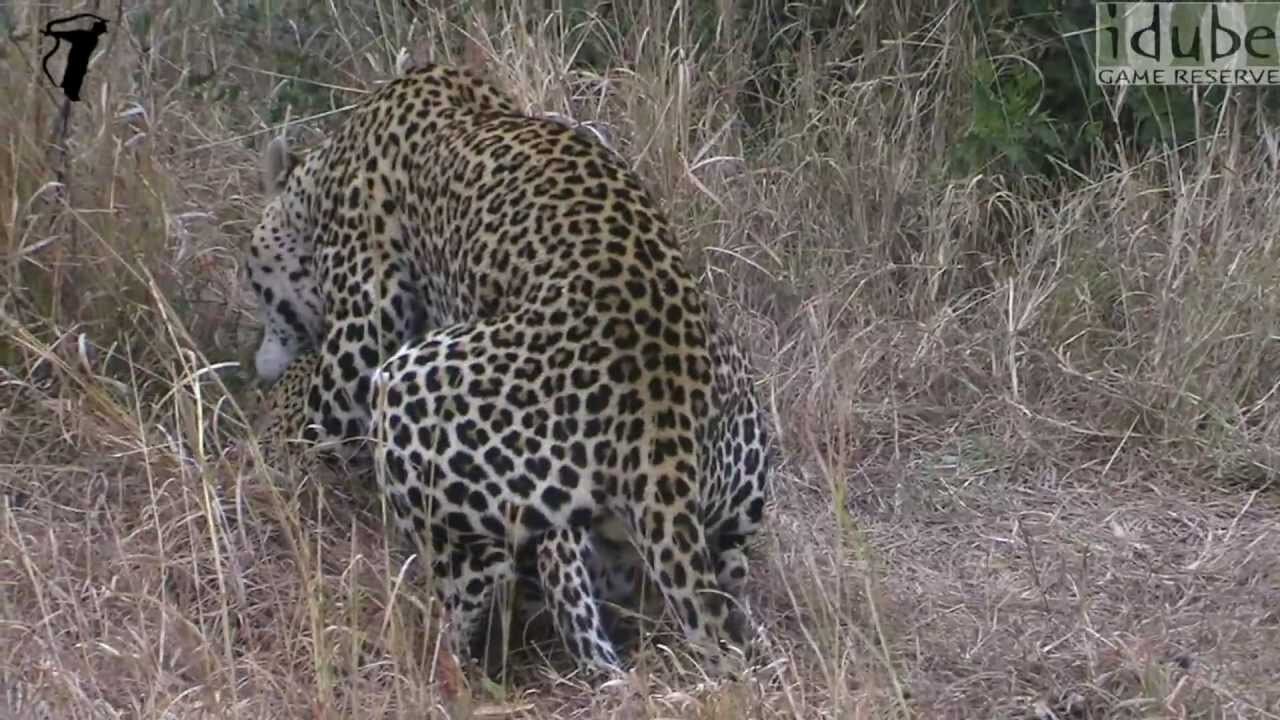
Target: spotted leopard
x=735, y=462
x=549, y=365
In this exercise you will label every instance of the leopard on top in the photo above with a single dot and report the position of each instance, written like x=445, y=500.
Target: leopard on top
x=560, y=369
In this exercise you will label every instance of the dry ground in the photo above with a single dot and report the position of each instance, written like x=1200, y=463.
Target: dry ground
x=1030, y=435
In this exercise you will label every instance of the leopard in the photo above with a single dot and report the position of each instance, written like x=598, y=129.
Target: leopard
x=736, y=462
x=497, y=305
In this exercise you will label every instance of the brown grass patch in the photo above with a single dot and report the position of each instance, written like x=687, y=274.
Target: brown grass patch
x=1029, y=438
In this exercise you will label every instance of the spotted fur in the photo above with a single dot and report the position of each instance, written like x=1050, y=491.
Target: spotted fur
x=497, y=299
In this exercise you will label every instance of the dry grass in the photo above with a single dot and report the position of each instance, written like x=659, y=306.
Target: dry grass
x=1030, y=438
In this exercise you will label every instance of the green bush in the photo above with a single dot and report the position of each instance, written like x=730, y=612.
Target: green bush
x=1035, y=109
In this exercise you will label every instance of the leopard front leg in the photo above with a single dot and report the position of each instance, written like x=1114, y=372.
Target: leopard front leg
x=376, y=308
x=338, y=400
x=465, y=581
x=282, y=418
x=564, y=569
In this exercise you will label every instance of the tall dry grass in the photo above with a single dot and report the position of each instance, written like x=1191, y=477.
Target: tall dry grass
x=1029, y=434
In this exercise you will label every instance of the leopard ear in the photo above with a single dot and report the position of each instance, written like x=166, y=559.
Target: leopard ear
x=277, y=162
